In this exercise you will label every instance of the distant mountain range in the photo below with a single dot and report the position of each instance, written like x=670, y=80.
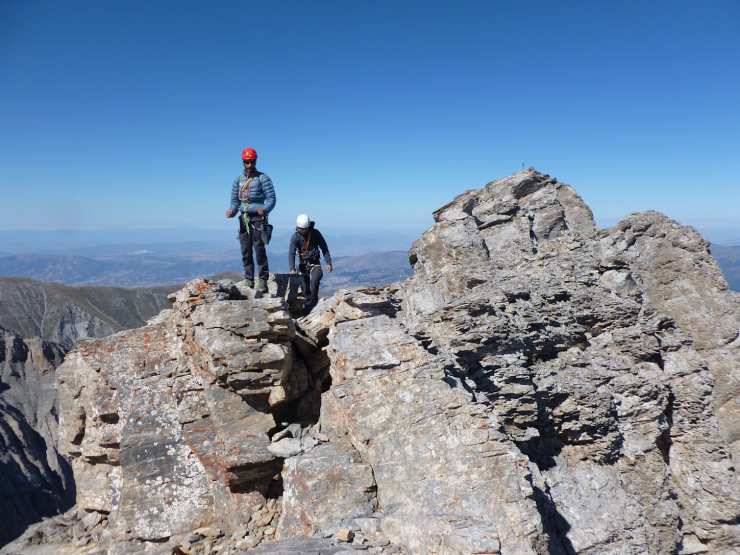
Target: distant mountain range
x=127, y=270
x=96, y=243
x=64, y=315
x=143, y=268
x=65, y=312
x=729, y=261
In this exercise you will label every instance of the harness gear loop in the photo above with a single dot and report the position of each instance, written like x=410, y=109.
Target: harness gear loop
x=306, y=245
x=244, y=197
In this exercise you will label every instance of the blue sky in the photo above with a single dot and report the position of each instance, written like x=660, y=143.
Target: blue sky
x=365, y=114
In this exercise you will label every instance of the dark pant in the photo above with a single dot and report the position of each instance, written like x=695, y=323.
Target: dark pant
x=253, y=237
x=312, y=274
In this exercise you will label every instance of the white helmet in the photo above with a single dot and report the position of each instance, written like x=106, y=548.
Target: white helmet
x=302, y=221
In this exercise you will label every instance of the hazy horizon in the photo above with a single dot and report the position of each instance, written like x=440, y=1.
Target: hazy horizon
x=345, y=241
x=79, y=242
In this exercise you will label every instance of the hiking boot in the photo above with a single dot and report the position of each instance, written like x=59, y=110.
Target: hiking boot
x=261, y=286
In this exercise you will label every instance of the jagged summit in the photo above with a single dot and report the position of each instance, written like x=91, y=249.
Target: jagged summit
x=537, y=386
x=552, y=207
x=502, y=225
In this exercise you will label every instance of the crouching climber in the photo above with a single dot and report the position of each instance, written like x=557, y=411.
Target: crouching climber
x=307, y=241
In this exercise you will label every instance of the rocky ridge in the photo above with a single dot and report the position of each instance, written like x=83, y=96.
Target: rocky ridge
x=537, y=386
x=35, y=481
x=177, y=431
x=65, y=315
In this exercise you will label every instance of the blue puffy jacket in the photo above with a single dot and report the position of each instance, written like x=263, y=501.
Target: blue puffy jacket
x=261, y=194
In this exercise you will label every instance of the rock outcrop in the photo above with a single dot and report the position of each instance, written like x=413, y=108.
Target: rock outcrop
x=177, y=431
x=35, y=481
x=598, y=369
x=537, y=386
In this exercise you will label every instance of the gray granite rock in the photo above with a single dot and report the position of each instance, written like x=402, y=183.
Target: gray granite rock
x=537, y=386
x=323, y=488
x=607, y=360
x=301, y=546
x=35, y=481
x=168, y=426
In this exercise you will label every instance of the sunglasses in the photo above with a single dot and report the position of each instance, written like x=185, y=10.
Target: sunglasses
x=249, y=162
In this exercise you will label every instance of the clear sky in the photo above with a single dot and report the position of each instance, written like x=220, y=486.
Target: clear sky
x=133, y=114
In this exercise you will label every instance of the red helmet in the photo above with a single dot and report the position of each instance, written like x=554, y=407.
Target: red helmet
x=249, y=154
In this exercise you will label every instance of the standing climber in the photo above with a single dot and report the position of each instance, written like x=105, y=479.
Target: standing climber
x=253, y=197
x=306, y=241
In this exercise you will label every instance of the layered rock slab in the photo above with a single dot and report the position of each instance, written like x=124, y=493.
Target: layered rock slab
x=447, y=481
x=607, y=360
x=168, y=426
x=323, y=489
x=608, y=357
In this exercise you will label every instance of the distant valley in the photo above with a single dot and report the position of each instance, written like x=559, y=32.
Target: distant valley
x=67, y=298
x=64, y=315
x=729, y=261
x=145, y=268
x=134, y=270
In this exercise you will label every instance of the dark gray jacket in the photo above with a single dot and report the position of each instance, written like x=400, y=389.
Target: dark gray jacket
x=308, y=253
